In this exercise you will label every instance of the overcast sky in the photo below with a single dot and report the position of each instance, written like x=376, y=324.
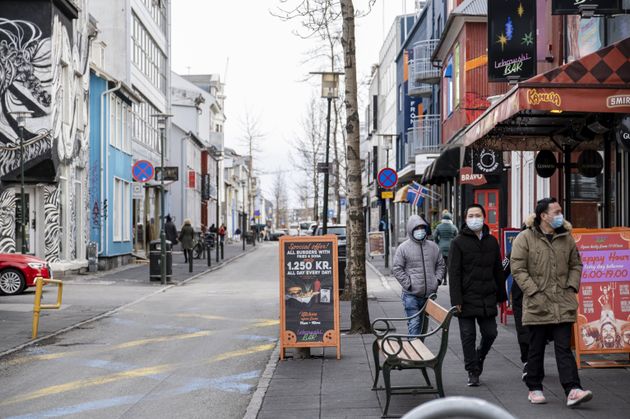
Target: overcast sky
x=261, y=62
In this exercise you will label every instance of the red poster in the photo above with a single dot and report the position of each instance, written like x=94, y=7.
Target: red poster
x=604, y=309
x=191, y=179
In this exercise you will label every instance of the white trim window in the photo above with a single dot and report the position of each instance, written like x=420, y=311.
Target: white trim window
x=122, y=210
x=147, y=55
x=145, y=127
x=119, y=135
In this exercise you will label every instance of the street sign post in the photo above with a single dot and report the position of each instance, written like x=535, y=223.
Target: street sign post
x=387, y=178
x=142, y=171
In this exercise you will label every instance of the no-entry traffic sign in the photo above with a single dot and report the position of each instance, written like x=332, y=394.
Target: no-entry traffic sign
x=142, y=171
x=387, y=178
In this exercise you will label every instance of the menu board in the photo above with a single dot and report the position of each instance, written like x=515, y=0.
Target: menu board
x=309, y=292
x=511, y=40
x=376, y=242
x=603, y=324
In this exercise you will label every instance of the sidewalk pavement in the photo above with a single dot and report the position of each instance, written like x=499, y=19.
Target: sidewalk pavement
x=323, y=387
x=91, y=296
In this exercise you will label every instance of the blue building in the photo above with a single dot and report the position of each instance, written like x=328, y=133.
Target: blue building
x=110, y=178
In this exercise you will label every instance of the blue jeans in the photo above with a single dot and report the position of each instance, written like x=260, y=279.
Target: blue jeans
x=413, y=305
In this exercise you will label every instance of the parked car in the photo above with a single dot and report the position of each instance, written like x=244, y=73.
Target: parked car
x=276, y=234
x=18, y=271
x=340, y=231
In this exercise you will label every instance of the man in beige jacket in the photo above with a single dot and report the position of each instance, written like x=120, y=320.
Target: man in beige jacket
x=546, y=265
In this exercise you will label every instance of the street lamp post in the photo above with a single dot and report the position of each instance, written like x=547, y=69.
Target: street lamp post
x=243, y=184
x=162, y=119
x=330, y=91
x=387, y=146
x=21, y=117
x=216, y=153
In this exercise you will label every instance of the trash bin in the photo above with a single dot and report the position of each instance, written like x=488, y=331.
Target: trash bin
x=249, y=237
x=92, y=256
x=155, y=254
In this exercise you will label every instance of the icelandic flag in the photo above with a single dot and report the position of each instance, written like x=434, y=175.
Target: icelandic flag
x=416, y=194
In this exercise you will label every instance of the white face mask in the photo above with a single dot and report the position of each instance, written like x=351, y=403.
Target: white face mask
x=419, y=234
x=475, y=224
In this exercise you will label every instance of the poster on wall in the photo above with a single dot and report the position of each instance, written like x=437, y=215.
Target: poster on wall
x=511, y=40
x=603, y=324
x=486, y=161
x=309, y=291
x=376, y=243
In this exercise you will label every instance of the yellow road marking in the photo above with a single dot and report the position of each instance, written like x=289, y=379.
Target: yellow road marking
x=202, y=316
x=126, y=345
x=136, y=373
x=262, y=323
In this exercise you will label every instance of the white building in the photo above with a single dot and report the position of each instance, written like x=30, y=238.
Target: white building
x=136, y=34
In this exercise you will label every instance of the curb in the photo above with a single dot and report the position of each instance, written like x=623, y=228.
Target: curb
x=117, y=309
x=263, y=385
x=380, y=275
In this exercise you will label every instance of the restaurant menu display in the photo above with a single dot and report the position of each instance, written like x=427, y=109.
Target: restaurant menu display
x=376, y=242
x=603, y=324
x=309, y=292
x=511, y=40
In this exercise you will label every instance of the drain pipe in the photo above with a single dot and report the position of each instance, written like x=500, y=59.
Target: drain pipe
x=105, y=167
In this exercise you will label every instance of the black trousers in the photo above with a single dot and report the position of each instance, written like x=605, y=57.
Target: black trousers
x=567, y=368
x=468, y=334
x=188, y=253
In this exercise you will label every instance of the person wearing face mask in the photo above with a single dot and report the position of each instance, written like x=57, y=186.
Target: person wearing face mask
x=546, y=265
x=418, y=267
x=476, y=287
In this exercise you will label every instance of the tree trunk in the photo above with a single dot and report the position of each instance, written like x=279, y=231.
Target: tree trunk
x=336, y=166
x=360, y=316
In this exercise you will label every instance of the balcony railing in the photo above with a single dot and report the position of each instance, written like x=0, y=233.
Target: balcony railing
x=423, y=137
x=422, y=70
x=419, y=89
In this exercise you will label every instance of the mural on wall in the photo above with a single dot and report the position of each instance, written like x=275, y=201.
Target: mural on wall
x=44, y=69
x=7, y=221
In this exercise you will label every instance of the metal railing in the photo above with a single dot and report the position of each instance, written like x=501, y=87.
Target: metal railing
x=38, y=306
x=421, y=68
x=424, y=135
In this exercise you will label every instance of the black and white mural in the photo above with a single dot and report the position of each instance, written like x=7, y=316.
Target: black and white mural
x=44, y=70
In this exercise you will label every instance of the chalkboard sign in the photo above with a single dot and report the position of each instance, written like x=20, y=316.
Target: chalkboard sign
x=309, y=293
x=511, y=40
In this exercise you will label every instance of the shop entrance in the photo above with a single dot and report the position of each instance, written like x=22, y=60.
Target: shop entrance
x=489, y=199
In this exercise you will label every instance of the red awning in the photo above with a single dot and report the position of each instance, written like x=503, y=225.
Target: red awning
x=596, y=83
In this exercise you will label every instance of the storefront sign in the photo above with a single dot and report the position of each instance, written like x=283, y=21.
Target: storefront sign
x=618, y=101
x=536, y=97
x=512, y=40
x=603, y=324
x=572, y=7
x=545, y=164
x=467, y=177
x=376, y=242
x=171, y=173
x=309, y=291
x=590, y=163
x=486, y=161
x=191, y=179
x=622, y=132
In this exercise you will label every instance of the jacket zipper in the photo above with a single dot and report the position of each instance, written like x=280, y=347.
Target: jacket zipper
x=424, y=269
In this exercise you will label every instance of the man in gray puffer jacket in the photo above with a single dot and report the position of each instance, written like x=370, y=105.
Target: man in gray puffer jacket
x=419, y=268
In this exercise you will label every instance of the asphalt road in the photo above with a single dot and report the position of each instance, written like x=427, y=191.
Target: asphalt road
x=193, y=351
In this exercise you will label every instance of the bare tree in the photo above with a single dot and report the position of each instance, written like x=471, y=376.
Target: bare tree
x=279, y=194
x=360, y=316
x=309, y=149
x=251, y=140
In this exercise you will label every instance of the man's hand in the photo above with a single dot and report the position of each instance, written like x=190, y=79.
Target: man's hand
x=459, y=308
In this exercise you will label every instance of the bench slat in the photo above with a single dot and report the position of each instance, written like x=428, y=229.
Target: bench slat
x=413, y=350
x=436, y=311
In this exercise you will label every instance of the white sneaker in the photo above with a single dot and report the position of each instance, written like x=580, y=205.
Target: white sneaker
x=536, y=397
x=577, y=396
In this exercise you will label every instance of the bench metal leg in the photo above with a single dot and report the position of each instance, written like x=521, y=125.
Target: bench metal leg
x=438, y=380
x=388, y=387
x=377, y=366
x=426, y=376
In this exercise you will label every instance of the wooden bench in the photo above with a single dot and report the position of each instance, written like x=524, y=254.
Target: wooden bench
x=403, y=351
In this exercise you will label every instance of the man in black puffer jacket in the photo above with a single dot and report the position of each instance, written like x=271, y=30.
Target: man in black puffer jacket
x=476, y=286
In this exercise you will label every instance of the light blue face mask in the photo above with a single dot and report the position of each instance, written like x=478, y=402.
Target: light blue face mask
x=419, y=234
x=475, y=224
x=557, y=221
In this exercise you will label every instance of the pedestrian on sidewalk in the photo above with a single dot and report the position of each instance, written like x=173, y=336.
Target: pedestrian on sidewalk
x=170, y=230
x=187, y=236
x=476, y=287
x=419, y=268
x=222, y=231
x=522, y=332
x=237, y=234
x=546, y=265
x=445, y=232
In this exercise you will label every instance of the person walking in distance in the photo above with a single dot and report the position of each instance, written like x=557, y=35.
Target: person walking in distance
x=418, y=267
x=546, y=265
x=445, y=232
x=170, y=230
x=476, y=287
x=187, y=236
